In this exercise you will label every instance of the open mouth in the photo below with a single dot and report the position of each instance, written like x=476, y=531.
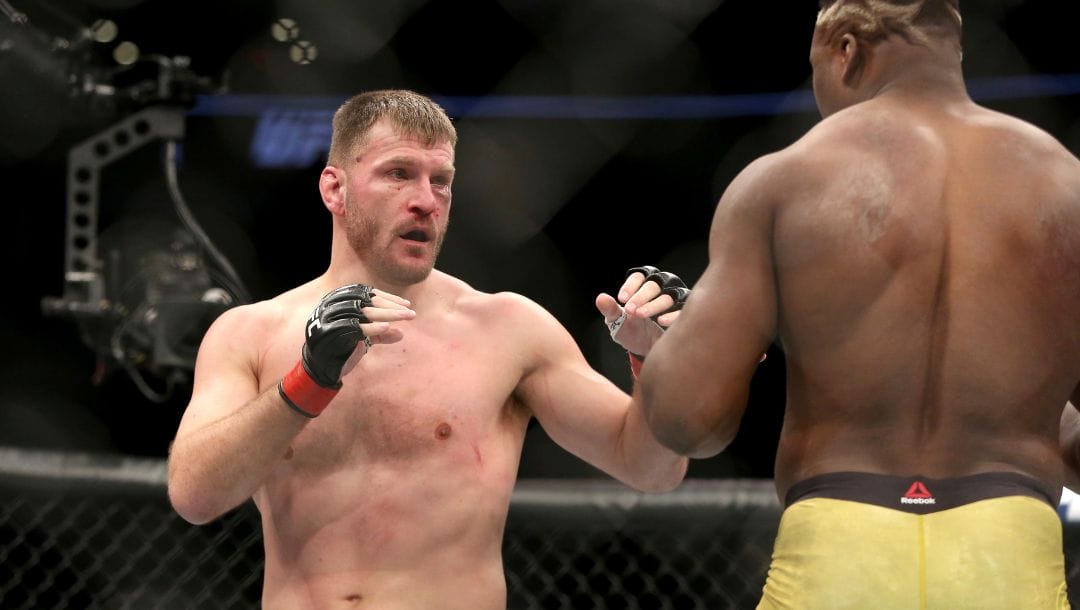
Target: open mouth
x=417, y=235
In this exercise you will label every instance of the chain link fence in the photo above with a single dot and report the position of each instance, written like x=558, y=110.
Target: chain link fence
x=79, y=531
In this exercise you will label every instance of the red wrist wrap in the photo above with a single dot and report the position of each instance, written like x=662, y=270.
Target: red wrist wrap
x=302, y=394
x=636, y=362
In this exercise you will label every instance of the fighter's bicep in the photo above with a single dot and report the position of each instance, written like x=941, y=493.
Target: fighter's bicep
x=740, y=281
x=582, y=411
x=730, y=316
x=735, y=303
x=578, y=408
x=225, y=378
x=695, y=384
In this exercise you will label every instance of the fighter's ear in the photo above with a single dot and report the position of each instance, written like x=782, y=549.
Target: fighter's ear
x=854, y=54
x=332, y=186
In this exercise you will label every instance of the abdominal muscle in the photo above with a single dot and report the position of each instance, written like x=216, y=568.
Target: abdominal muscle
x=398, y=534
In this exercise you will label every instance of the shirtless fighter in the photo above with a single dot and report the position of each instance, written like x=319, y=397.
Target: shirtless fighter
x=917, y=256
x=383, y=477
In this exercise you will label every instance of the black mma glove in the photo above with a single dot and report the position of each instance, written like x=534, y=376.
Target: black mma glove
x=669, y=283
x=332, y=333
x=333, y=330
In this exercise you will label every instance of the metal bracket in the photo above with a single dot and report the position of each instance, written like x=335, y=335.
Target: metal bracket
x=84, y=283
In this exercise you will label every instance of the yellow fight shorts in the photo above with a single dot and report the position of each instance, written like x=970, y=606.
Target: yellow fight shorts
x=874, y=542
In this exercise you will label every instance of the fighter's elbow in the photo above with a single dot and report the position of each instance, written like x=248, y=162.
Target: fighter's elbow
x=667, y=479
x=190, y=501
x=697, y=447
x=190, y=507
x=697, y=423
x=692, y=439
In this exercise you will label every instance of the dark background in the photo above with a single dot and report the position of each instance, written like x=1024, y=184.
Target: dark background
x=551, y=204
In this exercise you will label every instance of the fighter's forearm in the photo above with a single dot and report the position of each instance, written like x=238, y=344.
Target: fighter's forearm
x=649, y=465
x=679, y=414
x=217, y=467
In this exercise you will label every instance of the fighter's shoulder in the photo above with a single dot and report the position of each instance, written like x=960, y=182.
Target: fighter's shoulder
x=256, y=321
x=851, y=131
x=824, y=145
x=845, y=139
x=493, y=310
x=1020, y=134
x=1009, y=126
x=1051, y=170
x=767, y=180
x=530, y=332
x=510, y=307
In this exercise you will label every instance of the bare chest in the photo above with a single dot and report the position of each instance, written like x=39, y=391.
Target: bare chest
x=427, y=397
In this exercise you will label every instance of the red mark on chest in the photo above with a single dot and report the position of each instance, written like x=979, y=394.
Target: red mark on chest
x=442, y=432
x=479, y=458
x=288, y=453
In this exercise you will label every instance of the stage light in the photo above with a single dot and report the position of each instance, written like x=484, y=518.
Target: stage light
x=285, y=30
x=303, y=52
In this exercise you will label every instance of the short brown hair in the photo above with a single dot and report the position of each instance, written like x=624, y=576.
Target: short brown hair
x=413, y=114
x=918, y=21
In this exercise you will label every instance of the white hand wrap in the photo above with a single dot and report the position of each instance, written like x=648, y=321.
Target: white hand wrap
x=616, y=324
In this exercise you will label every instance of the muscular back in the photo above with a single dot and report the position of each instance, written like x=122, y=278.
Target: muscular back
x=927, y=267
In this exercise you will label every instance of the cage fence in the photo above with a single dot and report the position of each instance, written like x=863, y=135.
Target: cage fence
x=86, y=531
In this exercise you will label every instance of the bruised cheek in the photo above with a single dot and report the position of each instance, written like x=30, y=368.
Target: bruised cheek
x=441, y=216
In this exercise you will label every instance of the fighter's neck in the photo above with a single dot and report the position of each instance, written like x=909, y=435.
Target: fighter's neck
x=420, y=294
x=935, y=87
x=924, y=72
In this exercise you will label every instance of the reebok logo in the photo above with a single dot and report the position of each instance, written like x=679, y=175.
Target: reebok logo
x=918, y=494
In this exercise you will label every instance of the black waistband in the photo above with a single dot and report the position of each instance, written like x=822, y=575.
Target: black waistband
x=919, y=494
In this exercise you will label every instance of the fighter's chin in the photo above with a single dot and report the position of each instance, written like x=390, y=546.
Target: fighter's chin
x=413, y=272
x=415, y=276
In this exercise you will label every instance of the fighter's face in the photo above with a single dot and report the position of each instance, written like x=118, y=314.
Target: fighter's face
x=397, y=203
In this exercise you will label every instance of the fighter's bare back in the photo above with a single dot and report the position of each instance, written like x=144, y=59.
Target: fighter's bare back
x=942, y=244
